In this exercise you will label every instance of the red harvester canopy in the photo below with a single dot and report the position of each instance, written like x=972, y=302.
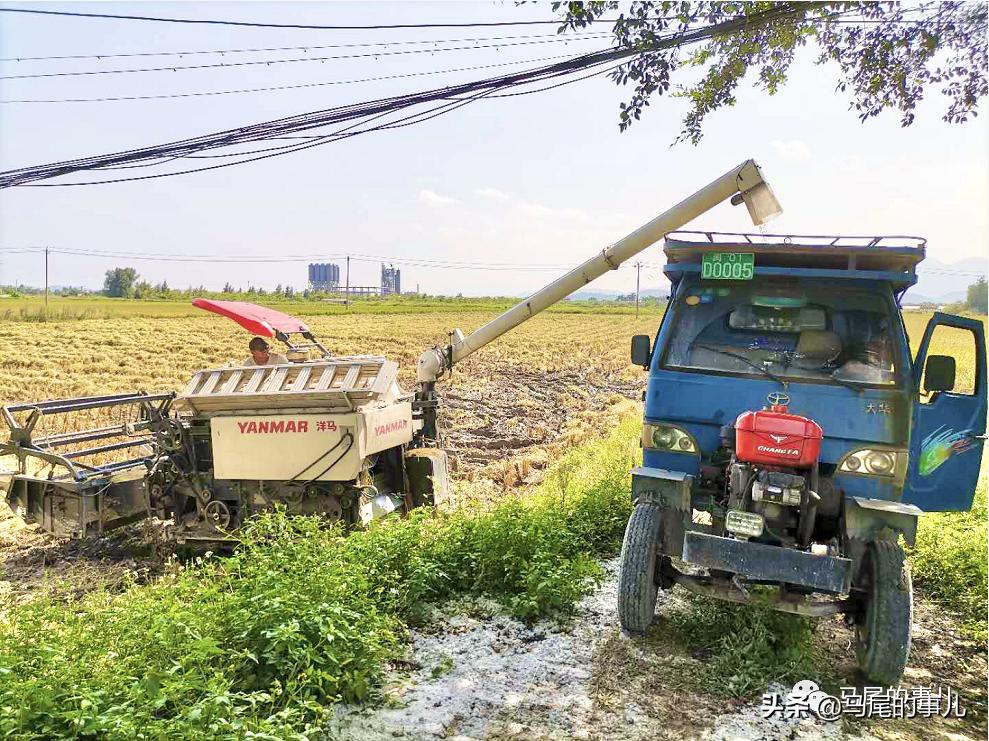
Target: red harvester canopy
x=255, y=319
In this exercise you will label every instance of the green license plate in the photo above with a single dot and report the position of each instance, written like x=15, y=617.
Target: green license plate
x=728, y=266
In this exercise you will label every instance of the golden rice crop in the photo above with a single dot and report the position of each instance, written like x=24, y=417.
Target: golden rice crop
x=94, y=356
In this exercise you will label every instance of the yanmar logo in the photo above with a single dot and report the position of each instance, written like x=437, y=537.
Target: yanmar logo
x=778, y=451
x=398, y=424
x=274, y=426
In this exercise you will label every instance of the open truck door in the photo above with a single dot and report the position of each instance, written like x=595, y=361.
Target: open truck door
x=949, y=418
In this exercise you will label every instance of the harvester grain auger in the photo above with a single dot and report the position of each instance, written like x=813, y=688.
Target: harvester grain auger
x=334, y=436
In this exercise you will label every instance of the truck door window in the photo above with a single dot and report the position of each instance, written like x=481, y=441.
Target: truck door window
x=813, y=332
x=959, y=344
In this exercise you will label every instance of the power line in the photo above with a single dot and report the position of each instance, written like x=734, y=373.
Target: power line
x=264, y=259
x=250, y=24
x=275, y=88
x=268, y=62
x=360, y=257
x=252, y=259
x=308, y=47
x=258, y=132
x=463, y=94
x=577, y=36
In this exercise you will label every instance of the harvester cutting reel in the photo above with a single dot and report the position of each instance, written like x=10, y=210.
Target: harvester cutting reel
x=79, y=466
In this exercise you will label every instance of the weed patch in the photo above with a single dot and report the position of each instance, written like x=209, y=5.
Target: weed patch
x=743, y=648
x=262, y=643
x=949, y=561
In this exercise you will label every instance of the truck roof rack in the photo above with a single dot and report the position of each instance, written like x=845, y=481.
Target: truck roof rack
x=893, y=258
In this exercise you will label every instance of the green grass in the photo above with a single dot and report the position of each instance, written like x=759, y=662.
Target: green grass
x=68, y=308
x=262, y=643
x=949, y=561
x=746, y=648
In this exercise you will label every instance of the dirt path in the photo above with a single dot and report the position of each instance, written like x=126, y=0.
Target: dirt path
x=474, y=673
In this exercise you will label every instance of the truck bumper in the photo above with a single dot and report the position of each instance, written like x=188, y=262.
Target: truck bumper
x=762, y=562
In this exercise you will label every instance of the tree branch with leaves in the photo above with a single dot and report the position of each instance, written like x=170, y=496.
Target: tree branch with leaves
x=888, y=55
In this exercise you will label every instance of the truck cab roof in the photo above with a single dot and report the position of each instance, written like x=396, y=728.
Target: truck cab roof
x=889, y=258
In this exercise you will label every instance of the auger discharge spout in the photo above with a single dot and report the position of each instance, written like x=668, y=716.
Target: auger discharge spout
x=742, y=184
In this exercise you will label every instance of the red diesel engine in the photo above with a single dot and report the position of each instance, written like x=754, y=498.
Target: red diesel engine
x=773, y=477
x=774, y=437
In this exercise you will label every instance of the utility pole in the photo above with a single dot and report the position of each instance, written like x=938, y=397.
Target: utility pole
x=46, y=280
x=638, y=274
x=347, y=293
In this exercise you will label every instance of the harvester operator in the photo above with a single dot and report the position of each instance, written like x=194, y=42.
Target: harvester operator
x=260, y=354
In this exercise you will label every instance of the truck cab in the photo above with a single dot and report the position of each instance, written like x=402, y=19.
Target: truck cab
x=790, y=439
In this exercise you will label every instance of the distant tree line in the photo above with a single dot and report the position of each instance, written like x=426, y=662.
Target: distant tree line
x=978, y=298
x=16, y=291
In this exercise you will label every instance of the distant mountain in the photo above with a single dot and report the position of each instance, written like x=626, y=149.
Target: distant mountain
x=913, y=299
x=944, y=282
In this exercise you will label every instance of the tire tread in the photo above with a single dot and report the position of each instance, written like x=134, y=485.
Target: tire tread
x=637, y=591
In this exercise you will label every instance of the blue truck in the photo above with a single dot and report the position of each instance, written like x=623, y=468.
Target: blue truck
x=791, y=439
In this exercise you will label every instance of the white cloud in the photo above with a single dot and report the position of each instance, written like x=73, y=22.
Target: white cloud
x=531, y=208
x=792, y=149
x=540, y=211
x=494, y=194
x=434, y=200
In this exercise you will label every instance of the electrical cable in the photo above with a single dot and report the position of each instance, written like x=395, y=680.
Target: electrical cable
x=323, y=455
x=263, y=49
x=235, y=259
x=287, y=87
x=299, y=123
x=452, y=104
x=263, y=62
x=340, y=457
x=250, y=24
x=328, y=139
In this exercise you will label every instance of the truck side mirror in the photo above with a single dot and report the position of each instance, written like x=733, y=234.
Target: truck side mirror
x=641, y=352
x=939, y=373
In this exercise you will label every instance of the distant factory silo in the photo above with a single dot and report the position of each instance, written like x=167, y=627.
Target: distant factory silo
x=391, y=280
x=324, y=276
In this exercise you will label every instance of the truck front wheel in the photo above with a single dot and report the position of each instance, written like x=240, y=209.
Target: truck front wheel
x=883, y=625
x=637, y=589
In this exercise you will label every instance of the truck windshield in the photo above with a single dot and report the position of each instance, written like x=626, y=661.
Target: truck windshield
x=793, y=331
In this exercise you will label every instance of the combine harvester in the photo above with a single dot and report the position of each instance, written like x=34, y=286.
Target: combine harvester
x=809, y=496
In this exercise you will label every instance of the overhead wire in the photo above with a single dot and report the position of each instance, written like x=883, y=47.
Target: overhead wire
x=463, y=93
x=257, y=24
x=316, y=256
x=189, y=147
x=449, y=105
x=357, y=257
x=366, y=27
x=275, y=88
x=306, y=47
x=267, y=62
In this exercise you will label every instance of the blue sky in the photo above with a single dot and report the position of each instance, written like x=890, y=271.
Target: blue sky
x=539, y=179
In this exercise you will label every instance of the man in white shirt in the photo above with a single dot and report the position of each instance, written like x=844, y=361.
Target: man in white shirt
x=260, y=354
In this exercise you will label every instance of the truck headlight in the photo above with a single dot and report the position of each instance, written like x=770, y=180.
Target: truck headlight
x=747, y=524
x=667, y=437
x=872, y=462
